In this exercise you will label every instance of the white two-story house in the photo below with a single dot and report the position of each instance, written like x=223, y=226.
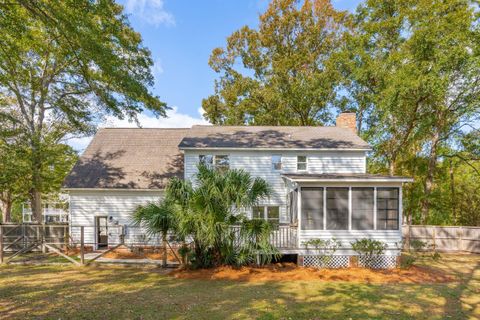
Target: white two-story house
x=318, y=174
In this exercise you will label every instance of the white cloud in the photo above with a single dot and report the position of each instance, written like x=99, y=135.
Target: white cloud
x=150, y=11
x=174, y=119
x=157, y=68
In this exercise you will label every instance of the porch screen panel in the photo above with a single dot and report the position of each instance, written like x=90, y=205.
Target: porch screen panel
x=362, y=208
x=312, y=208
x=387, y=208
x=337, y=208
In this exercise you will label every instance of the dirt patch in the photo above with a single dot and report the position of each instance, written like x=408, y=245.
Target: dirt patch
x=152, y=254
x=289, y=272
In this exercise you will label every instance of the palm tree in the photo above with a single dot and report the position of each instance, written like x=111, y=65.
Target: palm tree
x=209, y=208
x=157, y=218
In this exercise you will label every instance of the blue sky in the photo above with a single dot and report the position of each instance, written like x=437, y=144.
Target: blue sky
x=181, y=35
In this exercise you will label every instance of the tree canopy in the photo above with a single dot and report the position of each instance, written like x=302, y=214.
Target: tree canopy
x=409, y=69
x=284, y=73
x=65, y=64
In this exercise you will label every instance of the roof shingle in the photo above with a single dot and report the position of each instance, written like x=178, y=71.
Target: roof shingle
x=122, y=158
x=272, y=137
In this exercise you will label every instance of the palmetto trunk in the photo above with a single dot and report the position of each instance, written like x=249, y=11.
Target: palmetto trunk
x=164, y=245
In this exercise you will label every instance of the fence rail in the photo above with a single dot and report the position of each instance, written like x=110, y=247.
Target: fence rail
x=444, y=238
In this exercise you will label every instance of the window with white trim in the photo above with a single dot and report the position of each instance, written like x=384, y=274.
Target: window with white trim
x=301, y=163
x=387, y=208
x=277, y=162
x=269, y=213
x=220, y=162
x=312, y=208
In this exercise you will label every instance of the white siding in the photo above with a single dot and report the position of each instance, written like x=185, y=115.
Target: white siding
x=392, y=238
x=259, y=164
x=86, y=205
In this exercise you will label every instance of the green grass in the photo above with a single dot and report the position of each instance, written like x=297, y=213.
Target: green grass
x=106, y=292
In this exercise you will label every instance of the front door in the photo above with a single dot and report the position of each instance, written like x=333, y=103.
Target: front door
x=102, y=232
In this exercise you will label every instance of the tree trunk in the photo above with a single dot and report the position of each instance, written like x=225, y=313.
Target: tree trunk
x=428, y=185
x=452, y=193
x=35, y=193
x=164, y=244
x=36, y=205
x=6, y=202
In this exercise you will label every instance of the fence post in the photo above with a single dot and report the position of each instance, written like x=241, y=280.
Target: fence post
x=44, y=248
x=1, y=244
x=433, y=236
x=82, y=246
x=460, y=240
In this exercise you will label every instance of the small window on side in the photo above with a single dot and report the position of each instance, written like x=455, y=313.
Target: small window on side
x=301, y=163
x=222, y=162
x=258, y=212
x=206, y=159
x=277, y=162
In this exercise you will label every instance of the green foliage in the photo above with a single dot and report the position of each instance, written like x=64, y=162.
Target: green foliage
x=210, y=213
x=284, y=72
x=63, y=66
x=409, y=69
x=407, y=261
x=368, y=247
x=327, y=247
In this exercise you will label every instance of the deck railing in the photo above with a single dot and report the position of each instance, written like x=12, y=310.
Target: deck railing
x=282, y=237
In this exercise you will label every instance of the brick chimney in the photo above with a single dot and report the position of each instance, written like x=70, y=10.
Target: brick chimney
x=347, y=120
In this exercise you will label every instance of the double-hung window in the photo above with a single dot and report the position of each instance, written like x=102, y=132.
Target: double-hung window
x=301, y=163
x=269, y=213
x=220, y=162
x=277, y=162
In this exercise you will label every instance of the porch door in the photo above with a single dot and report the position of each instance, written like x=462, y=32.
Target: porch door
x=102, y=232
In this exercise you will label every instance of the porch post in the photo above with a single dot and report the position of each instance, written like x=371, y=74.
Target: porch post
x=375, y=208
x=299, y=214
x=349, y=208
x=400, y=207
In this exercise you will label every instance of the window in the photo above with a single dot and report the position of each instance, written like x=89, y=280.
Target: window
x=269, y=213
x=337, y=208
x=258, y=212
x=387, y=208
x=362, y=208
x=221, y=162
x=277, y=162
x=206, y=159
x=302, y=163
x=312, y=208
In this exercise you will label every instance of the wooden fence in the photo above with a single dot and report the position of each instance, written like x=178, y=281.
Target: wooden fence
x=444, y=238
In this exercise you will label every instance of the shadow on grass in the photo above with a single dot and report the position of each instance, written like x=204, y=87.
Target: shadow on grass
x=134, y=293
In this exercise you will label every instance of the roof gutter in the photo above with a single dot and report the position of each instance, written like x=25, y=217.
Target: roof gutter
x=112, y=189
x=275, y=149
x=400, y=180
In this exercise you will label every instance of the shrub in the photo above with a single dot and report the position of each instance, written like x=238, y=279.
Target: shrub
x=369, y=249
x=406, y=261
x=326, y=248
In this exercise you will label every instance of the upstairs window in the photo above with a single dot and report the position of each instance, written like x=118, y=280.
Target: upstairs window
x=301, y=163
x=206, y=159
x=220, y=162
x=277, y=162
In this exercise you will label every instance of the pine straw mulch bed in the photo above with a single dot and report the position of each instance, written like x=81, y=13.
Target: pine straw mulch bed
x=291, y=272
x=152, y=254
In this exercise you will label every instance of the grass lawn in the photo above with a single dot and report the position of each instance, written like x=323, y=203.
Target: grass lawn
x=104, y=292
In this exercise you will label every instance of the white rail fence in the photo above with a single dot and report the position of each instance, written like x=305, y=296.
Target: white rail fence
x=444, y=238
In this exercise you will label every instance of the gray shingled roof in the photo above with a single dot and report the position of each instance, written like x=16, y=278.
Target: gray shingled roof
x=129, y=159
x=272, y=137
